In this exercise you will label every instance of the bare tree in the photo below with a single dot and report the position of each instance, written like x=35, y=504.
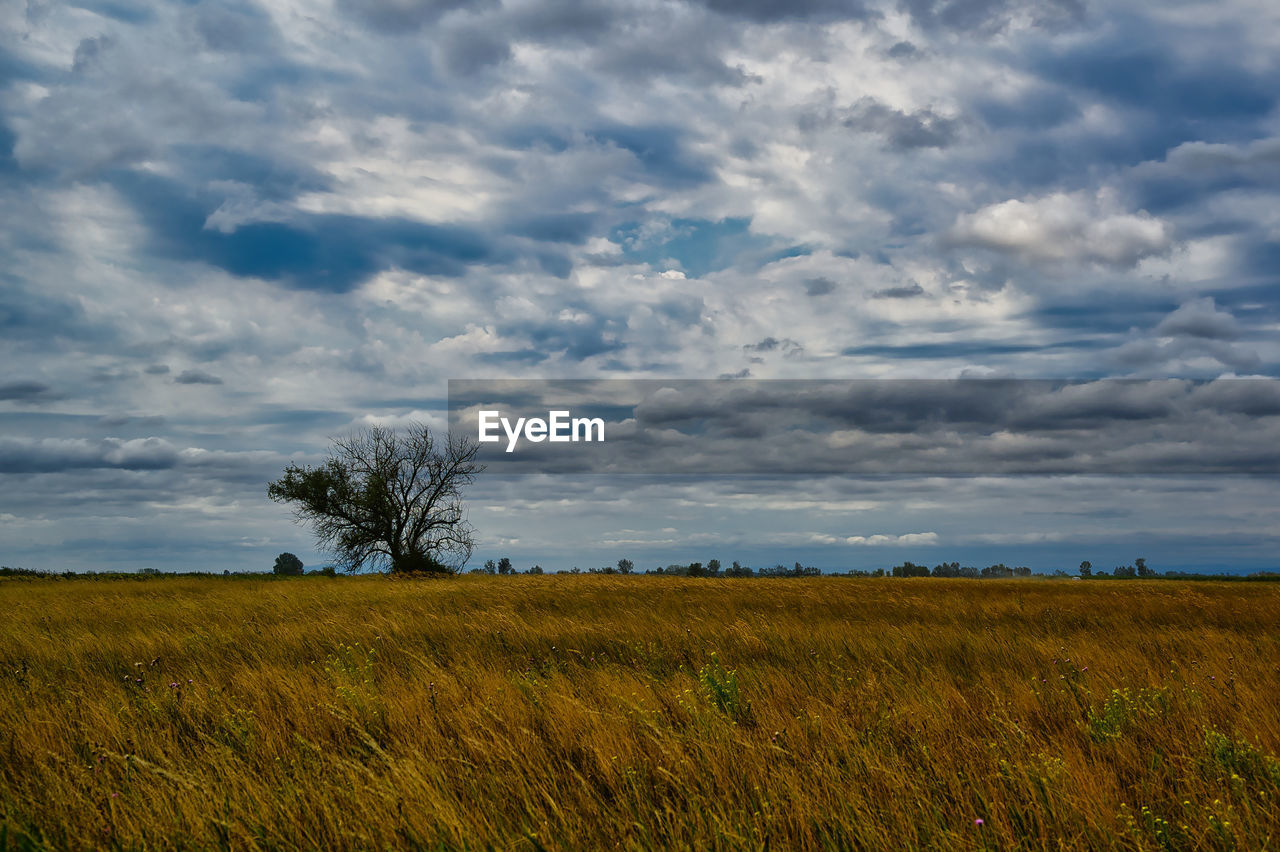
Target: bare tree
x=387, y=500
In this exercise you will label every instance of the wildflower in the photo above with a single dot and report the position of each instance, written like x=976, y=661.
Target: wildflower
x=979, y=822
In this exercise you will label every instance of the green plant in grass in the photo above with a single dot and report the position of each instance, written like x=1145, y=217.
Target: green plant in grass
x=720, y=687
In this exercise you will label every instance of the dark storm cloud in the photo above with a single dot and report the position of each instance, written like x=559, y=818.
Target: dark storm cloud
x=819, y=287
x=516, y=356
x=25, y=391
x=151, y=422
x=767, y=345
x=991, y=16
x=773, y=344
x=768, y=11
x=901, y=130
x=473, y=48
x=905, y=291
x=196, y=377
x=576, y=340
x=576, y=20
x=52, y=455
x=1148, y=355
x=1200, y=318
x=87, y=52
x=400, y=16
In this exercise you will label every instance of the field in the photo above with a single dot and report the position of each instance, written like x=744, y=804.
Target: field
x=590, y=712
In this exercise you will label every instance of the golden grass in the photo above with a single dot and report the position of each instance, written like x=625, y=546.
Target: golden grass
x=587, y=712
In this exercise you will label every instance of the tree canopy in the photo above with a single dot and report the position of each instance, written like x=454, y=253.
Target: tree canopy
x=287, y=564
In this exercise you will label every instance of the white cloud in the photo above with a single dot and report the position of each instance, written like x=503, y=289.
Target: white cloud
x=1073, y=227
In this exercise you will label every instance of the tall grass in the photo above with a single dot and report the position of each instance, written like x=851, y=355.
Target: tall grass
x=565, y=712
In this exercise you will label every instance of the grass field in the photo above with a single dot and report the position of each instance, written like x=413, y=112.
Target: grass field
x=587, y=712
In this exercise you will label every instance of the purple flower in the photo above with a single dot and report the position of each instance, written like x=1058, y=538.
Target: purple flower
x=979, y=822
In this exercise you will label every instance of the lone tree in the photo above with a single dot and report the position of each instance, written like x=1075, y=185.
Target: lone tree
x=287, y=564
x=387, y=500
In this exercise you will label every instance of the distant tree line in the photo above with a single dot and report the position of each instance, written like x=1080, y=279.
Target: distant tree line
x=287, y=564
x=713, y=568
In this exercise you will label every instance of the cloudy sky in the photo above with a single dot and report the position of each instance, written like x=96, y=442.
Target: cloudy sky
x=232, y=230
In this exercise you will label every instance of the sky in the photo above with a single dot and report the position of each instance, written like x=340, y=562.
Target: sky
x=234, y=230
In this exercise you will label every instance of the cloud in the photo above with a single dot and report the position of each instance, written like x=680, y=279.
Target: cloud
x=196, y=377
x=819, y=287
x=989, y=17
x=398, y=16
x=1199, y=318
x=764, y=11
x=1185, y=355
x=50, y=455
x=901, y=130
x=905, y=291
x=25, y=391
x=1065, y=227
x=473, y=48
x=926, y=539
